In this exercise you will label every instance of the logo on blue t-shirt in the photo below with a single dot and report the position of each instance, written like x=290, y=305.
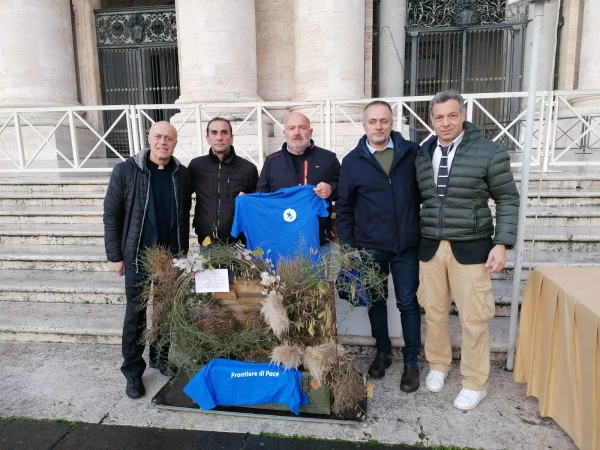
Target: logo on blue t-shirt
x=289, y=215
x=283, y=223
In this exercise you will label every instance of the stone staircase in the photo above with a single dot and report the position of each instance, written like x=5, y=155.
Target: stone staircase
x=55, y=285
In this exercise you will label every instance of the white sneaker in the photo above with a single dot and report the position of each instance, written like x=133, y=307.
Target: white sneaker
x=435, y=380
x=467, y=399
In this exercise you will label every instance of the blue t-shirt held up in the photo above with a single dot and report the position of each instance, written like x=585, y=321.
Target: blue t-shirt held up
x=238, y=383
x=283, y=224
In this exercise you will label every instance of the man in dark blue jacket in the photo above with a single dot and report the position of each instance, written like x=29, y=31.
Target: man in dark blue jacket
x=299, y=162
x=378, y=210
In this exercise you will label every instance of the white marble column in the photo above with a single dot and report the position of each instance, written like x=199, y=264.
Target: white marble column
x=37, y=65
x=329, y=49
x=87, y=57
x=217, y=51
x=570, y=45
x=545, y=79
x=275, y=49
x=589, y=68
x=392, y=36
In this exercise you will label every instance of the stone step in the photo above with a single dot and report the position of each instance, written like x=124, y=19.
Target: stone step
x=547, y=258
x=93, y=258
x=562, y=180
x=57, y=234
x=564, y=197
x=563, y=239
x=53, y=257
x=102, y=324
x=73, y=234
x=57, y=186
x=499, y=328
x=563, y=216
x=551, y=238
x=70, y=216
x=61, y=322
x=61, y=286
x=99, y=182
x=82, y=197
x=74, y=199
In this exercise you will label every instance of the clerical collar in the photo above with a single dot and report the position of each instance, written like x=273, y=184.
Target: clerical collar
x=153, y=166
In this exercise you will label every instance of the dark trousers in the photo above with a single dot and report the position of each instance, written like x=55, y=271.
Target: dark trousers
x=404, y=268
x=134, y=325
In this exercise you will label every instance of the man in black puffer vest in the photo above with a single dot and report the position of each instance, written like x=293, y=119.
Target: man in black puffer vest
x=458, y=172
x=147, y=203
x=299, y=162
x=218, y=178
x=378, y=210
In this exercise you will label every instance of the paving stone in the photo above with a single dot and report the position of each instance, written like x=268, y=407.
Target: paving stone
x=31, y=435
x=116, y=437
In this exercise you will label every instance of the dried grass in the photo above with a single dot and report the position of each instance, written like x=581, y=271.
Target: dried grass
x=288, y=356
x=347, y=386
x=275, y=314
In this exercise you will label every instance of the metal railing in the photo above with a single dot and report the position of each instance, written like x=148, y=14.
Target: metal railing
x=74, y=139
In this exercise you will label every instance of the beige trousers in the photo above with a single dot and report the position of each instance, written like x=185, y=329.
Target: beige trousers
x=471, y=287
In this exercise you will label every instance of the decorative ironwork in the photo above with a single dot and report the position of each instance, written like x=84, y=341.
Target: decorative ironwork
x=136, y=27
x=462, y=13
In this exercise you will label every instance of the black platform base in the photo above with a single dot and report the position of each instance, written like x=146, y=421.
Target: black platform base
x=171, y=396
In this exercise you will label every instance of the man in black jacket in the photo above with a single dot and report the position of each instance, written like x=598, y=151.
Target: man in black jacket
x=378, y=210
x=300, y=162
x=458, y=172
x=218, y=178
x=147, y=203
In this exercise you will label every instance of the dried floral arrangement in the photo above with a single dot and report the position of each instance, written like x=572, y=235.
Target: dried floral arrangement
x=293, y=326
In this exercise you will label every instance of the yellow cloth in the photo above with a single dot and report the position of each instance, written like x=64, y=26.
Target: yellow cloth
x=558, y=350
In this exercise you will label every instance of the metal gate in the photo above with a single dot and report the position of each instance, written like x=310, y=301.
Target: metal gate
x=137, y=52
x=473, y=46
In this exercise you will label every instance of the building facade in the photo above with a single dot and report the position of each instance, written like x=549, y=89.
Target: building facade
x=61, y=53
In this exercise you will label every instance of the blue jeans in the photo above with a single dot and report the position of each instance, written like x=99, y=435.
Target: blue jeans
x=405, y=275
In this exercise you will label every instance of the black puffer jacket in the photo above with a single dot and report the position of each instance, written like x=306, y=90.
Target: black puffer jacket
x=217, y=184
x=321, y=166
x=480, y=170
x=125, y=207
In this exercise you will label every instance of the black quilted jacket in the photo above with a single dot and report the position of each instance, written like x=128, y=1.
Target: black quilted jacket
x=217, y=184
x=480, y=170
x=125, y=206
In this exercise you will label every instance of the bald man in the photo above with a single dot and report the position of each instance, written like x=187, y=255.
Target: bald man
x=300, y=162
x=147, y=203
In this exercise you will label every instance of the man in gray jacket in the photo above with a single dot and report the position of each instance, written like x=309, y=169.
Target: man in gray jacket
x=458, y=171
x=147, y=203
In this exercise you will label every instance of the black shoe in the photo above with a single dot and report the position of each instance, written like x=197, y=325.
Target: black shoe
x=135, y=388
x=165, y=369
x=410, y=379
x=379, y=364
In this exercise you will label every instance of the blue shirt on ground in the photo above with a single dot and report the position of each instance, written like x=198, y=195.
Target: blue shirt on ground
x=237, y=383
